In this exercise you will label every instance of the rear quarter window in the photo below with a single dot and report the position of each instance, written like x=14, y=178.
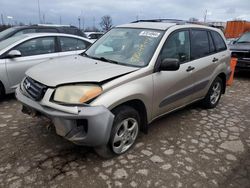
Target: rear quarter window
x=218, y=41
x=211, y=44
x=71, y=44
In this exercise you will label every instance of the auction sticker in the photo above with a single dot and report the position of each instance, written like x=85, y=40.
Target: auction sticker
x=153, y=34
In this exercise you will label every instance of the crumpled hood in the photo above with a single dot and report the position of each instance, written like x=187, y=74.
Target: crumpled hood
x=75, y=69
x=240, y=47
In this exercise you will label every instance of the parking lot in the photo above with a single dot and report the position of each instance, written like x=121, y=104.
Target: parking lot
x=189, y=148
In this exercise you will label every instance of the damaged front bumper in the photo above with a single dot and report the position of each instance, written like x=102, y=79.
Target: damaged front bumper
x=85, y=125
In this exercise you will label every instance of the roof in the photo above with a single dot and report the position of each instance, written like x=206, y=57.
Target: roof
x=149, y=25
x=44, y=26
x=33, y=35
x=163, y=24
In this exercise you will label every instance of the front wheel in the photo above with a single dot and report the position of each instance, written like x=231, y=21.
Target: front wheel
x=123, y=134
x=214, y=93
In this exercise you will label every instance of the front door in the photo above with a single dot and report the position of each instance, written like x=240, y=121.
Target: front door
x=33, y=52
x=172, y=89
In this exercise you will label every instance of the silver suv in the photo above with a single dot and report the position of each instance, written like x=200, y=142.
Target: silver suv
x=134, y=74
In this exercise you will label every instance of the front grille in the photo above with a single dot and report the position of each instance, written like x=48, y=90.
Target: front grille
x=241, y=55
x=35, y=89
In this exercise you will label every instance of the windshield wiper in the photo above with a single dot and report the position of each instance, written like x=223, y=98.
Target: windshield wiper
x=84, y=54
x=100, y=58
x=104, y=59
x=107, y=60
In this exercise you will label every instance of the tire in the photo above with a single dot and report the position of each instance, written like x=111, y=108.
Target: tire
x=214, y=94
x=2, y=91
x=124, y=132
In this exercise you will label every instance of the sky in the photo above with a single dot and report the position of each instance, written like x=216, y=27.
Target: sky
x=90, y=12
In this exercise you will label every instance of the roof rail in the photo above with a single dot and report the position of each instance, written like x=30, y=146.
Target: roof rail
x=53, y=25
x=163, y=20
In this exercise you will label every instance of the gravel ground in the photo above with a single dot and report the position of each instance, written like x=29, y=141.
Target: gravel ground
x=189, y=148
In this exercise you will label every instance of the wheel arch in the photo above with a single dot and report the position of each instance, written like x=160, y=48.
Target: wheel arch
x=222, y=76
x=2, y=87
x=140, y=107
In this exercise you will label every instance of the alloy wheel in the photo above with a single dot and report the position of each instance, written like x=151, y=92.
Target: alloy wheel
x=125, y=135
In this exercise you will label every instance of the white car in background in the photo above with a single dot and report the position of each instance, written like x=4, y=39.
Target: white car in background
x=93, y=36
x=17, y=54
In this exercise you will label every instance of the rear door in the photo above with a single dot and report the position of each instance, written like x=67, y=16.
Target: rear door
x=34, y=51
x=172, y=89
x=71, y=46
x=206, y=58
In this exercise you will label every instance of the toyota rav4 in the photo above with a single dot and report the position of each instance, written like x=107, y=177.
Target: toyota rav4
x=133, y=75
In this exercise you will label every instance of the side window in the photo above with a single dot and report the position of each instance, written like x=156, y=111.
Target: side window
x=219, y=42
x=43, y=45
x=24, y=31
x=71, y=44
x=177, y=46
x=199, y=44
x=211, y=44
x=81, y=45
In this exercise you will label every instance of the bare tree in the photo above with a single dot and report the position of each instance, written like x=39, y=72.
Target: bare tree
x=106, y=23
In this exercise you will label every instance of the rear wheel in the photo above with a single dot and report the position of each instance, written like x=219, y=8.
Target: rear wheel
x=214, y=93
x=124, y=132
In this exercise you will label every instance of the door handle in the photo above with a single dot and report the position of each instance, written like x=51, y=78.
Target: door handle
x=215, y=59
x=190, y=68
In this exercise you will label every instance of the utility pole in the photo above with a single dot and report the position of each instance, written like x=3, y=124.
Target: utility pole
x=79, y=20
x=60, y=20
x=83, y=22
x=2, y=19
x=205, y=17
x=93, y=22
x=39, y=11
x=44, y=19
x=82, y=17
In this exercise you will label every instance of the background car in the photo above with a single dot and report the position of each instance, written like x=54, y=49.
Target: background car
x=40, y=28
x=241, y=50
x=19, y=53
x=231, y=41
x=93, y=35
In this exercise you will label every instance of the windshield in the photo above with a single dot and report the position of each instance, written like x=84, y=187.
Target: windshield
x=6, y=32
x=127, y=46
x=5, y=43
x=244, y=38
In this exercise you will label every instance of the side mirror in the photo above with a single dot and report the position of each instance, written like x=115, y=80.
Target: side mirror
x=169, y=64
x=233, y=42
x=14, y=53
